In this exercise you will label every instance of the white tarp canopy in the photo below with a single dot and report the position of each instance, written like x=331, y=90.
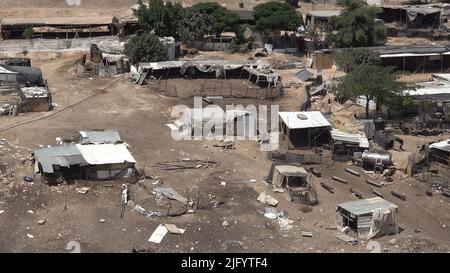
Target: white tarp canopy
x=303, y=120
x=99, y=154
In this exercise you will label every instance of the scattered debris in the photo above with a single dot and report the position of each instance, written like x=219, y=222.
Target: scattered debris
x=356, y=193
x=223, y=183
x=271, y=213
x=307, y=233
x=173, y=229
x=171, y=194
x=225, y=224
x=327, y=187
x=352, y=172
x=83, y=190
x=338, y=179
x=27, y=179
x=159, y=234
x=102, y=220
x=184, y=164
x=347, y=239
x=285, y=223
x=377, y=192
x=30, y=211
x=399, y=195
x=267, y=199
x=42, y=221
x=373, y=183
x=1, y=211
x=393, y=241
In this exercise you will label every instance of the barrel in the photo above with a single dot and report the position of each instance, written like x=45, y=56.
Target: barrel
x=379, y=124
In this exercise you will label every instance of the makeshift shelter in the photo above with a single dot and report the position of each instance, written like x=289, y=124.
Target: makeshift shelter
x=35, y=99
x=440, y=152
x=345, y=145
x=8, y=81
x=304, y=129
x=88, y=162
x=26, y=75
x=62, y=27
x=373, y=217
x=320, y=17
x=297, y=182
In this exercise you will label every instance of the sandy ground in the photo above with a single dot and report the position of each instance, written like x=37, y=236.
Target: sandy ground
x=140, y=115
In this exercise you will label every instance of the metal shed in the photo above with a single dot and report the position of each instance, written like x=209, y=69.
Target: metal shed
x=373, y=217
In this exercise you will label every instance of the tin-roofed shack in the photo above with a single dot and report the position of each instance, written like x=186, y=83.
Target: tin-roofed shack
x=61, y=27
x=345, y=145
x=84, y=162
x=299, y=184
x=440, y=152
x=92, y=137
x=370, y=218
x=411, y=20
x=304, y=129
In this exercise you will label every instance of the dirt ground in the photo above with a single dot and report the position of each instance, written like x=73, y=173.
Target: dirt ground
x=140, y=114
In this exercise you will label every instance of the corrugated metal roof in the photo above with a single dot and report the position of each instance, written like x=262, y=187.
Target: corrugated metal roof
x=291, y=170
x=361, y=140
x=301, y=120
x=100, y=137
x=365, y=206
x=442, y=145
x=323, y=13
x=65, y=156
x=99, y=154
x=430, y=88
x=304, y=75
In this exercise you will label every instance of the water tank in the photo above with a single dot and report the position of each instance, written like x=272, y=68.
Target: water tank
x=372, y=158
x=379, y=124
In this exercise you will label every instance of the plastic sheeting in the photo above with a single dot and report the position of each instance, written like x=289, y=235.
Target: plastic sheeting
x=384, y=222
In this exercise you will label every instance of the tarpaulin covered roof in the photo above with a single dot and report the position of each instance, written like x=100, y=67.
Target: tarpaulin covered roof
x=366, y=206
x=35, y=92
x=359, y=139
x=301, y=120
x=99, y=154
x=64, y=156
x=291, y=170
x=441, y=145
x=33, y=75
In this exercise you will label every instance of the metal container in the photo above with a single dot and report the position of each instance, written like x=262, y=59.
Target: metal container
x=374, y=158
x=379, y=124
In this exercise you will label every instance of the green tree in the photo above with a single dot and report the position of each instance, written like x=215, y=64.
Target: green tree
x=224, y=19
x=276, y=16
x=375, y=83
x=356, y=26
x=28, y=33
x=159, y=17
x=145, y=48
x=194, y=25
x=349, y=58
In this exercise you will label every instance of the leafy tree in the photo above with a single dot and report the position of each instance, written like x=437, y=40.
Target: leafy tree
x=28, y=33
x=194, y=25
x=375, y=83
x=224, y=19
x=356, y=26
x=159, y=17
x=276, y=16
x=145, y=48
x=349, y=58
